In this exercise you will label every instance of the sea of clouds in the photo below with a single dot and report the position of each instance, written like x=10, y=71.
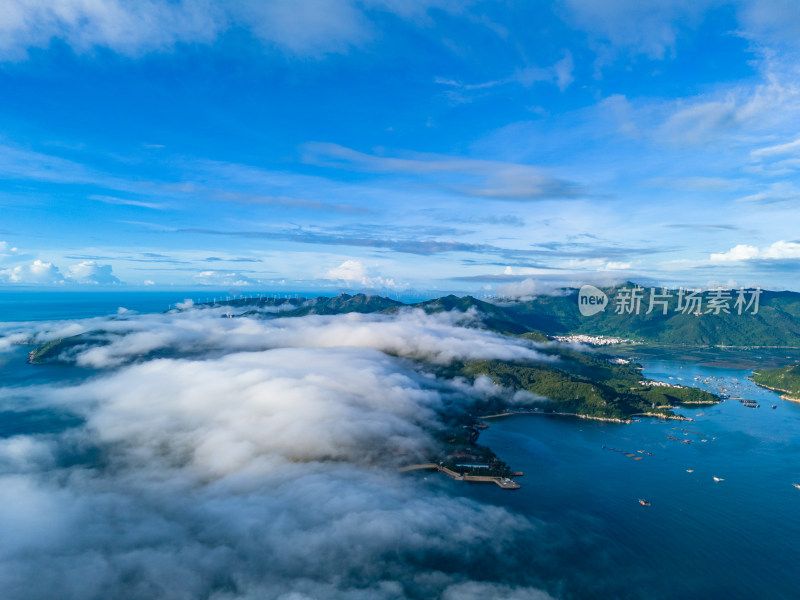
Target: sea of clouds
x=252, y=457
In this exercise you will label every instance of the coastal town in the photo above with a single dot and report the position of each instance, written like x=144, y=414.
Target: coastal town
x=592, y=340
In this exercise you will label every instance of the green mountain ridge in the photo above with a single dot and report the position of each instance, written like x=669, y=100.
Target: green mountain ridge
x=777, y=322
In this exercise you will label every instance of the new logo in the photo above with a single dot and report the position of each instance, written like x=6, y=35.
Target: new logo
x=591, y=300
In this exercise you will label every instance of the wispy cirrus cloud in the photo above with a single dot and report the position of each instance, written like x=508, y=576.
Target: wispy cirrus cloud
x=129, y=202
x=467, y=176
x=304, y=236
x=559, y=74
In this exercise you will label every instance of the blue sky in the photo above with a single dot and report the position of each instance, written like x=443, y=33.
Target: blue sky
x=399, y=145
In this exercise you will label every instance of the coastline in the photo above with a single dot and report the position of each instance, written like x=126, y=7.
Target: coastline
x=505, y=483
x=627, y=421
x=559, y=414
x=784, y=393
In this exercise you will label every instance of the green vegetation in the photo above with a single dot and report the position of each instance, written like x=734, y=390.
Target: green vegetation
x=587, y=385
x=54, y=350
x=461, y=449
x=45, y=351
x=489, y=315
x=323, y=305
x=786, y=379
x=777, y=322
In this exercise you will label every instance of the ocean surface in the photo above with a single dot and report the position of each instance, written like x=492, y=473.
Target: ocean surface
x=699, y=538
x=19, y=305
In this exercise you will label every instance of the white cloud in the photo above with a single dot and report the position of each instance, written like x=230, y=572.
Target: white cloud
x=773, y=193
x=269, y=473
x=40, y=272
x=472, y=177
x=771, y=22
x=90, y=271
x=412, y=334
x=349, y=270
x=307, y=28
x=128, y=202
x=354, y=272
x=777, y=150
x=37, y=272
x=563, y=72
x=737, y=253
x=617, y=266
x=223, y=279
x=528, y=289
x=560, y=74
x=704, y=121
x=647, y=27
x=84, y=25
x=743, y=252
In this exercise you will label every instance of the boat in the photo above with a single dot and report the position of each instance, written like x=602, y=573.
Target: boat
x=718, y=478
x=797, y=485
x=690, y=470
x=644, y=502
x=774, y=406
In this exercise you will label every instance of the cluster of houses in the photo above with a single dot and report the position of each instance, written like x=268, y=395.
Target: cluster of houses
x=594, y=340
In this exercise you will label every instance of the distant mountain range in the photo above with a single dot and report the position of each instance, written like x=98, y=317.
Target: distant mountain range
x=776, y=322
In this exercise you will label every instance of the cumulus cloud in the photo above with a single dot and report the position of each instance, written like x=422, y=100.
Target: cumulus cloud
x=89, y=271
x=223, y=279
x=40, y=272
x=617, y=266
x=36, y=272
x=743, y=252
x=6, y=250
x=269, y=472
x=355, y=272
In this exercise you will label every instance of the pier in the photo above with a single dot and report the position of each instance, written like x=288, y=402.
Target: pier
x=504, y=482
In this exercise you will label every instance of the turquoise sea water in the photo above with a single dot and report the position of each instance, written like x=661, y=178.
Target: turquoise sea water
x=19, y=305
x=22, y=305
x=737, y=538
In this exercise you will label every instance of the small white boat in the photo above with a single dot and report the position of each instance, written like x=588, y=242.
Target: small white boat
x=690, y=470
x=797, y=485
x=718, y=478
